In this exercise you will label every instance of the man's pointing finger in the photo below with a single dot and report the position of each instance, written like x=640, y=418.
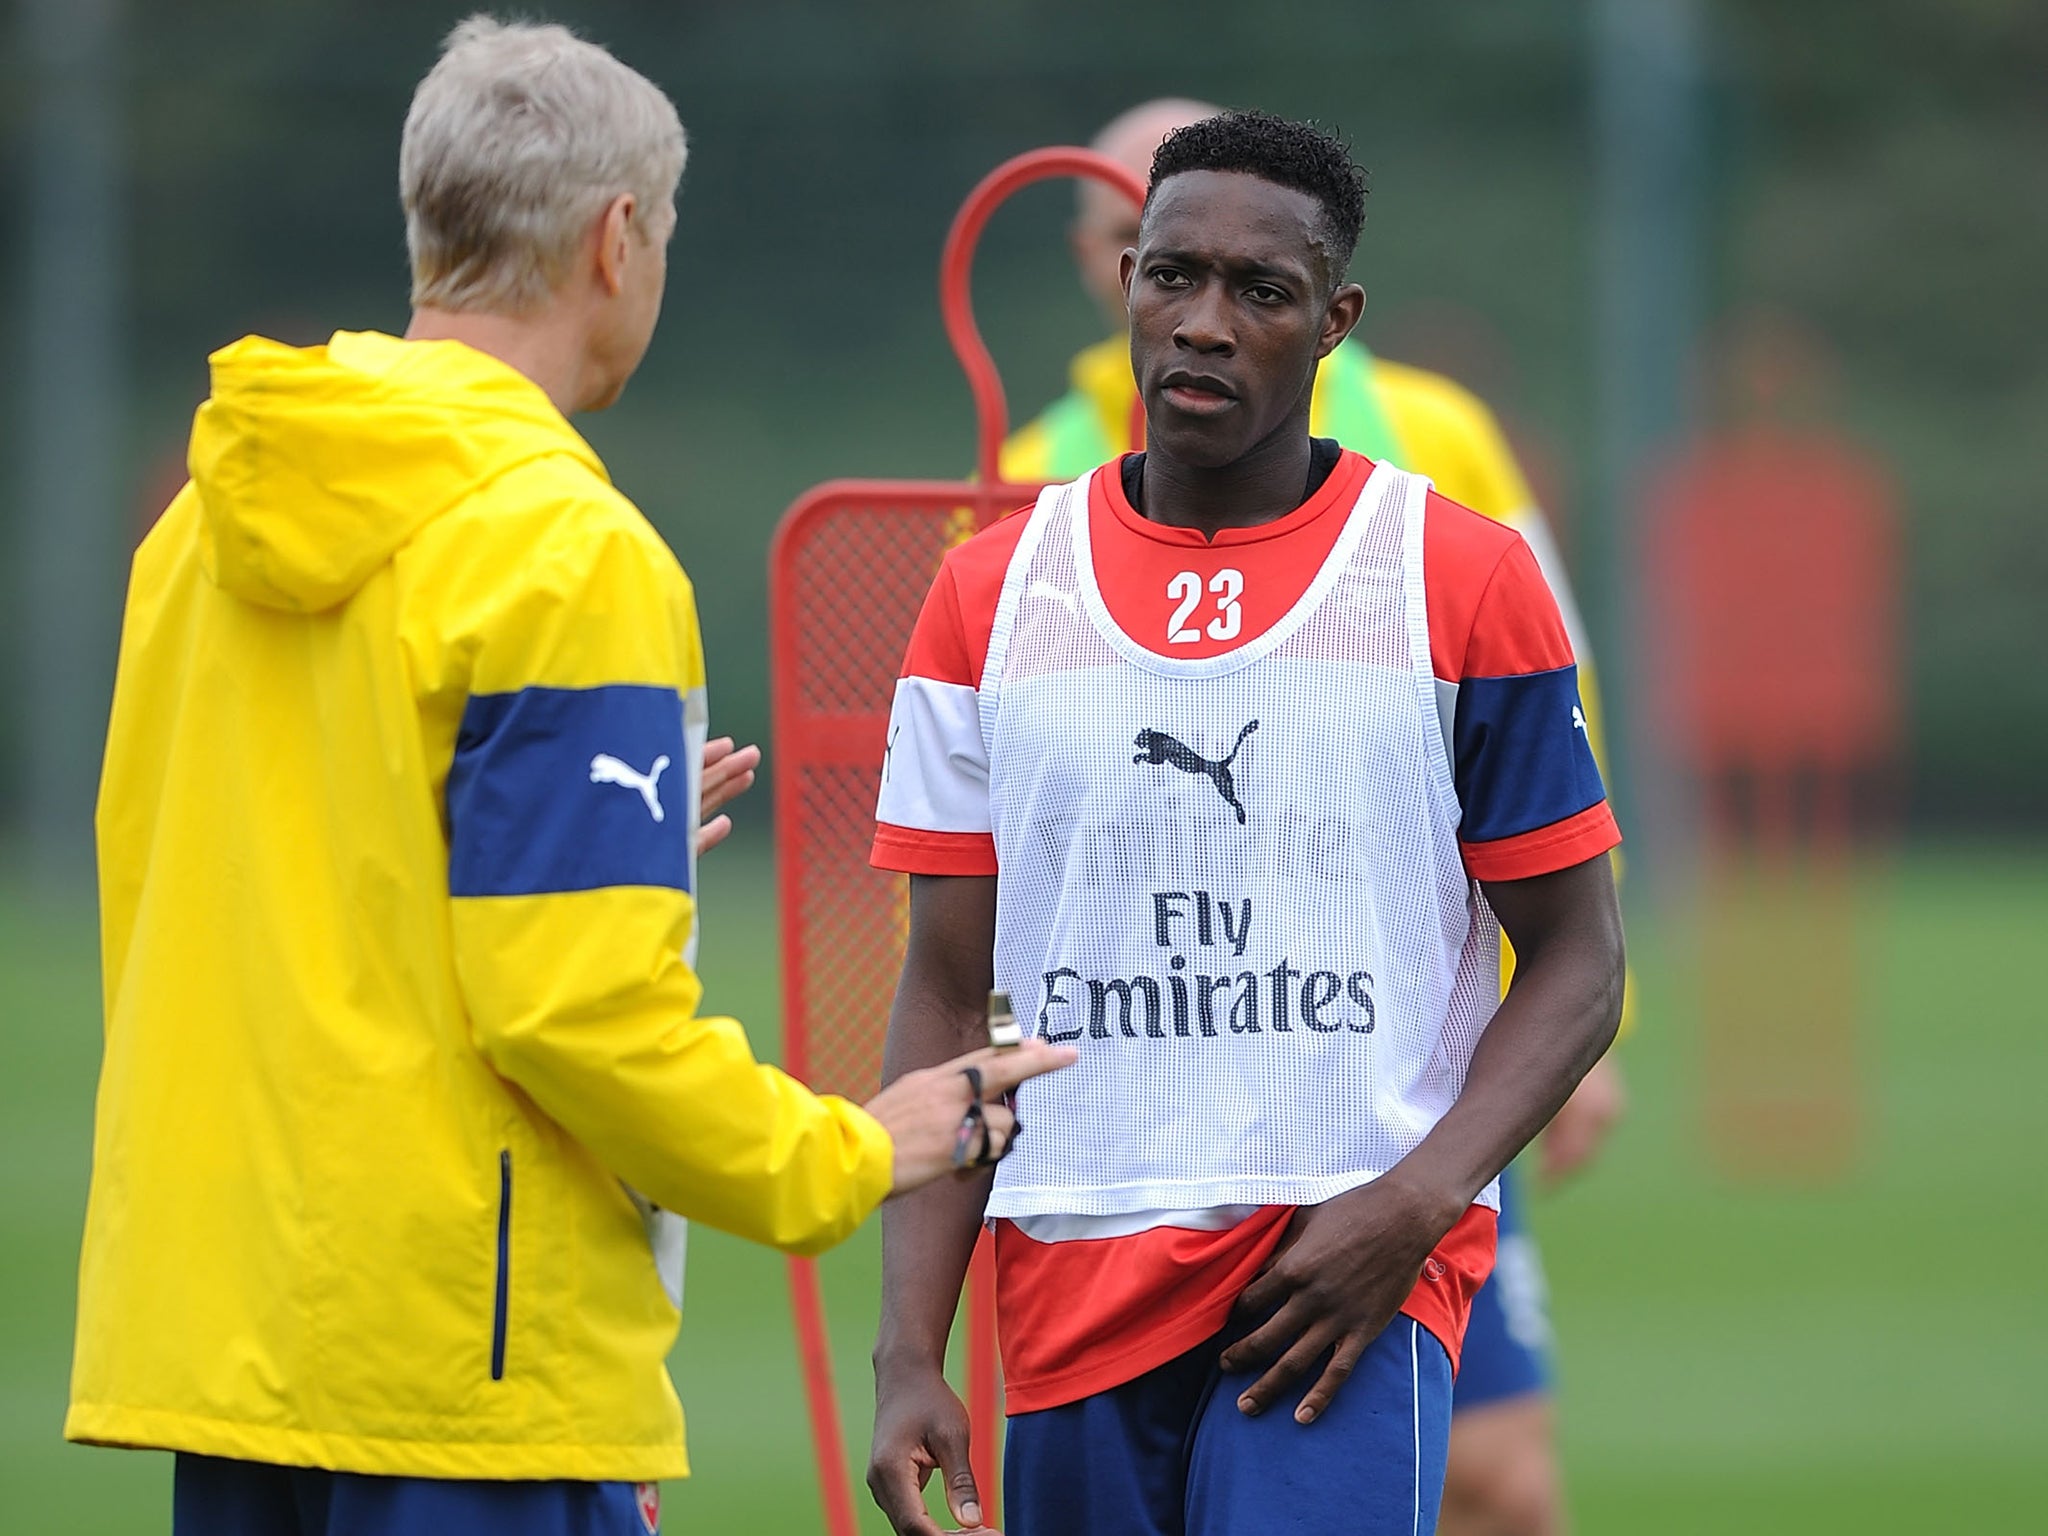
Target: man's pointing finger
x=1003, y=1070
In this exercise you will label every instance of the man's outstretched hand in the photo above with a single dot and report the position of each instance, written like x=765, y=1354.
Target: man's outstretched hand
x=922, y=1111
x=728, y=774
x=1337, y=1279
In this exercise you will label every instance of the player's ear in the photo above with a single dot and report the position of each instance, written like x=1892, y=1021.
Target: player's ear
x=1346, y=305
x=1126, y=268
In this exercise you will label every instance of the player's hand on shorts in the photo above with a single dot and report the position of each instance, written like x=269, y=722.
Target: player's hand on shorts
x=1337, y=1279
x=920, y=1428
x=951, y=1118
x=728, y=774
x=1576, y=1136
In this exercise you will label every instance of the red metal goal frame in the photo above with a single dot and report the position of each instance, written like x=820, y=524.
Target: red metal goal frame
x=848, y=570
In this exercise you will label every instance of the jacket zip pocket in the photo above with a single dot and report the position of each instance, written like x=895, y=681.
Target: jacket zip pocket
x=501, y=1302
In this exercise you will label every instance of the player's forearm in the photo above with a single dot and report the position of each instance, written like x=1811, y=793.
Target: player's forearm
x=928, y=1236
x=940, y=1011
x=1557, y=1020
x=927, y=1241
x=1529, y=1061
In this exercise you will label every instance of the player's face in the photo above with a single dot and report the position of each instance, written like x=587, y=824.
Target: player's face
x=1231, y=308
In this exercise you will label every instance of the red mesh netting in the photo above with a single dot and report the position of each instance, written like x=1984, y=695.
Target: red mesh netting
x=849, y=574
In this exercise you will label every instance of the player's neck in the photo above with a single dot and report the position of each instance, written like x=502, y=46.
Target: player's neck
x=1262, y=487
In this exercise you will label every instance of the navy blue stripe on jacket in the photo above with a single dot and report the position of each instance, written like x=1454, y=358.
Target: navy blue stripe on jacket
x=569, y=789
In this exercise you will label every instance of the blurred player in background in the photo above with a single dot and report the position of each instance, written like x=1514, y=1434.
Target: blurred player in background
x=404, y=1072
x=1504, y=1476
x=1350, y=700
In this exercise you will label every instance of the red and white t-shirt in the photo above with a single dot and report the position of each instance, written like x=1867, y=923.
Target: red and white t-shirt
x=1094, y=1298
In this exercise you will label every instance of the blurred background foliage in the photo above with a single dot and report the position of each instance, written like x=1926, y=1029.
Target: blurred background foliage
x=1872, y=168
x=1857, y=1350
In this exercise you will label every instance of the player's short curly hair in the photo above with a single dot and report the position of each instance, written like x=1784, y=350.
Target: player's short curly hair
x=1280, y=150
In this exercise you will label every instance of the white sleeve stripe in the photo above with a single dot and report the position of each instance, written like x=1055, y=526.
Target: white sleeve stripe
x=1534, y=528
x=935, y=769
x=1447, y=718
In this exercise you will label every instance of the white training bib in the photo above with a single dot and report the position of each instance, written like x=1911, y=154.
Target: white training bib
x=1234, y=883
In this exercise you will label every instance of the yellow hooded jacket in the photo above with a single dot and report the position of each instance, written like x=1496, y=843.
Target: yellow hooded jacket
x=396, y=842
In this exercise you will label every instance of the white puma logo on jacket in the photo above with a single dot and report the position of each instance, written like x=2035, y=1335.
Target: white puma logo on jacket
x=606, y=769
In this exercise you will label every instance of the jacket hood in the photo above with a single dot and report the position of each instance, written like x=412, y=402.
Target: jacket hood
x=314, y=465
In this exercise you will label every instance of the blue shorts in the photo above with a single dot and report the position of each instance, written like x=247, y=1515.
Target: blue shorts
x=213, y=1497
x=1507, y=1342
x=1170, y=1454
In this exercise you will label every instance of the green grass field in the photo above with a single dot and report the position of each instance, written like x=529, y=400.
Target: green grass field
x=1867, y=1357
